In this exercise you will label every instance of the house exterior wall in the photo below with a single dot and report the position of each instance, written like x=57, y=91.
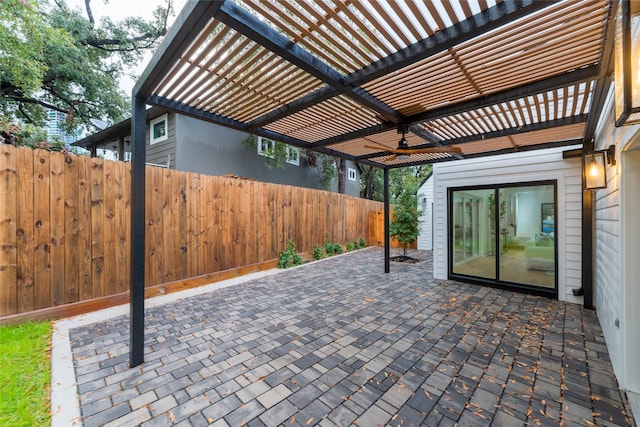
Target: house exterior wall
x=216, y=150
x=426, y=205
x=617, y=294
x=523, y=167
x=158, y=152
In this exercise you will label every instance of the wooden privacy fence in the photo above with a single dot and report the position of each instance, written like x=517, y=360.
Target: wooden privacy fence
x=64, y=226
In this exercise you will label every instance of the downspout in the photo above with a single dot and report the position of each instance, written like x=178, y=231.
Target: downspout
x=136, y=294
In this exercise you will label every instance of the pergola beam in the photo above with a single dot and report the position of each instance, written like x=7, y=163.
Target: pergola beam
x=485, y=21
x=248, y=25
x=184, y=30
x=552, y=83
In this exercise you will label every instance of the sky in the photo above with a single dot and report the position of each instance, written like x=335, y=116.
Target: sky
x=120, y=9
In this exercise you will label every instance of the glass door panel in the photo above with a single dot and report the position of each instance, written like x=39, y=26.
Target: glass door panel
x=527, y=235
x=473, y=239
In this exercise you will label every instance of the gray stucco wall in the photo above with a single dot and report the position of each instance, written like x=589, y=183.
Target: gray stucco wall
x=215, y=150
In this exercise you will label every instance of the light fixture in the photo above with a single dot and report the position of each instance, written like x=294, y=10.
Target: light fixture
x=594, y=169
x=627, y=63
x=402, y=144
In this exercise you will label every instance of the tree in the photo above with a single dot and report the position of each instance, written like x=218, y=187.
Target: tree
x=404, y=223
x=53, y=57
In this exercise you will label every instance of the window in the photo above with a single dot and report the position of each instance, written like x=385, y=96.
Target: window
x=266, y=147
x=158, y=129
x=293, y=155
x=271, y=149
x=352, y=174
x=504, y=234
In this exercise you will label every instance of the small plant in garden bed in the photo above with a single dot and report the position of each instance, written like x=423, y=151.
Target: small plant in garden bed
x=350, y=246
x=318, y=253
x=363, y=243
x=328, y=247
x=289, y=257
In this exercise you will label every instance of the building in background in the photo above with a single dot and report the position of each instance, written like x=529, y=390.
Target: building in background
x=56, y=131
x=184, y=143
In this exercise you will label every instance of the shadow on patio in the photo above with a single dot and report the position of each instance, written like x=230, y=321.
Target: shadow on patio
x=339, y=342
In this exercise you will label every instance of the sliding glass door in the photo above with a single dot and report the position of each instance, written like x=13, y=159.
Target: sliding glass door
x=504, y=234
x=473, y=248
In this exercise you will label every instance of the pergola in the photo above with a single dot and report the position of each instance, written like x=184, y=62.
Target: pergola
x=487, y=76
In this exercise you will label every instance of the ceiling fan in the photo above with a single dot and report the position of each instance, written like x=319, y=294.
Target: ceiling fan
x=403, y=151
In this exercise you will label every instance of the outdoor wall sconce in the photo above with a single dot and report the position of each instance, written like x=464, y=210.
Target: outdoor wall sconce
x=627, y=63
x=594, y=168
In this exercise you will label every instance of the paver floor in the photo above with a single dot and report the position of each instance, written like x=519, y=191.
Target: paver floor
x=338, y=342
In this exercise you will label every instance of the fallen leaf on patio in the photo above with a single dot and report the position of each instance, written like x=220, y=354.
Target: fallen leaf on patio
x=595, y=414
x=367, y=299
x=589, y=423
x=210, y=420
x=309, y=421
x=428, y=395
x=170, y=415
x=453, y=299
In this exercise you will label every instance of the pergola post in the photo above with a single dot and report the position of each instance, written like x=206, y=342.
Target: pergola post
x=136, y=306
x=386, y=222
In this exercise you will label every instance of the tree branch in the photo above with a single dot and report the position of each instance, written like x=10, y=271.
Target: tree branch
x=87, y=6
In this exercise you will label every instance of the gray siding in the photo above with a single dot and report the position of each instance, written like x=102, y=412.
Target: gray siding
x=158, y=152
x=216, y=150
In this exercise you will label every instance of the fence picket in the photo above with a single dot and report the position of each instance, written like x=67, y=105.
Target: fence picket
x=25, y=231
x=8, y=214
x=57, y=224
x=42, y=261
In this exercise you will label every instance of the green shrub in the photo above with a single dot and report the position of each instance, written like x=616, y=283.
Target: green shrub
x=328, y=247
x=350, y=246
x=289, y=257
x=337, y=249
x=318, y=253
x=363, y=244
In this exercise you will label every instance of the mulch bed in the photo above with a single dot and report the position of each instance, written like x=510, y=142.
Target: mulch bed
x=405, y=258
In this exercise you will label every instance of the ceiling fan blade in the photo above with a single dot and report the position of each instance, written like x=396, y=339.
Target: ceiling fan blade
x=374, y=147
x=449, y=149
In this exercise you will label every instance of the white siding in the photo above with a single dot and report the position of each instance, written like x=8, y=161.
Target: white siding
x=513, y=168
x=616, y=282
x=425, y=205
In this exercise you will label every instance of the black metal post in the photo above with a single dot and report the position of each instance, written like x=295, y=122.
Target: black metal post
x=387, y=267
x=588, y=261
x=136, y=305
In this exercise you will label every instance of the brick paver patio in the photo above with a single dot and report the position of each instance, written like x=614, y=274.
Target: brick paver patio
x=338, y=342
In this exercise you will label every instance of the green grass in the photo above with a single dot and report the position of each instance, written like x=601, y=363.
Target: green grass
x=25, y=374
